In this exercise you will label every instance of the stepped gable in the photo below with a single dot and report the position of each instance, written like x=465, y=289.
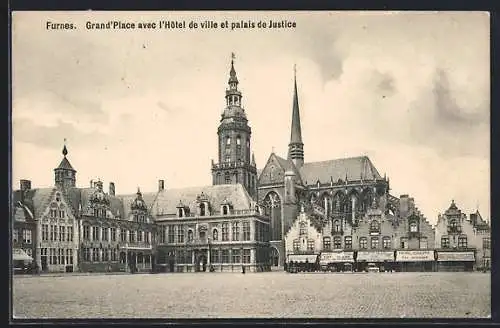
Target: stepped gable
x=338, y=169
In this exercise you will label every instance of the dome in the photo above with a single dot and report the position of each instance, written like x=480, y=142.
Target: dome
x=139, y=203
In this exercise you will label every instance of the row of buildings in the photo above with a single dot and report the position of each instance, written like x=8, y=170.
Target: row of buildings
x=338, y=211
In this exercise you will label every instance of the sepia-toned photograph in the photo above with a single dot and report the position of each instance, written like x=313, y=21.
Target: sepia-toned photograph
x=257, y=164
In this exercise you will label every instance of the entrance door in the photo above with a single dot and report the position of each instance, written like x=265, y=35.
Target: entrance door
x=44, y=263
x=274, y=257
x=201, y=264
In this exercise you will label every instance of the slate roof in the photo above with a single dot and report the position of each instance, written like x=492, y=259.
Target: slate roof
x=287, y=165
x=324, y=171
x=166, y=201
x=36, y=200
x=65, y=165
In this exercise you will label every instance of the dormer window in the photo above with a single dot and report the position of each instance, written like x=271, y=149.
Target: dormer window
x=225, y=210
x=374, y=226
x=180, y=212
x=303, y=228
x=202, y=209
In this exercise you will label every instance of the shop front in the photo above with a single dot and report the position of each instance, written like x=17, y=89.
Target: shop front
x=384, y=260
x=337, y=261
x=302, y=262
x=455, y=261
x=415, y=261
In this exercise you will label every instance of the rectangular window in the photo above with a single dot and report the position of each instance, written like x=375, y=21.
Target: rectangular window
x=105, y=232
x=70, y=234
x=327, y=243
x=423, y=243
x=225, y=255
x=348, y=242
x=53, y=213
x=386, y=242
x=404, y=242
x=113, y=234
x=105, y=255
x=15, y=235
x=246, y=256
x=62, y=233
x=462, y=242
x=62, y=214
x=27, y=236
x=246, y=230
x=180, y=234
x=52, y=232
x=445, y=242
x=236, y=231
x=337, y=243
x=132, y=236
x=114, y=253
x=146, y=236
x=45, y=232
x=95, y=233
x=139, y=236
x=54, y=256
x=374, y=242
x=236, y=255
x=310, y=245
x=123, y=235
x=363, y=243
x=86, y=254
x=225, y=231
x=86, y=232
x=486, y=243
x=296, y=245
x=171, y=235
x=95, y=254
x=214, y=256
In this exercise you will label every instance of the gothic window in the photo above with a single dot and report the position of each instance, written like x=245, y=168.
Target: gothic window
x=337, y=226
x=337, y=242
x=445, y=242
x=362, y=243
x=413, y=226
x=348, y=242
x=374, y=226
x=272, y=205
x=386, y=242
x=327, y=243
x=374, y=242
x=462, y=242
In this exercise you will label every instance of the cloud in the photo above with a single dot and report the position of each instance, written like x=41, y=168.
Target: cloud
x=26, y=130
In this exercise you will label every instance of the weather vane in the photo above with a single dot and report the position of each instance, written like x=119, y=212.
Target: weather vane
x=233, y=56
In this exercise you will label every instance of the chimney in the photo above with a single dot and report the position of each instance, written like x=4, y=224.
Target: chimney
x=91, y=183
x=161, y=185
x=111, y=188
x=25, y=185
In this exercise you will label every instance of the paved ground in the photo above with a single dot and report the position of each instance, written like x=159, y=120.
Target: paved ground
x=261, y=295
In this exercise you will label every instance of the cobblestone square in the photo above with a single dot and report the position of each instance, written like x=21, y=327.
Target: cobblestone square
x=262, y=295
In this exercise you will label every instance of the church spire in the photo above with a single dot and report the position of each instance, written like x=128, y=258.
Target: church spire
x=296, y=146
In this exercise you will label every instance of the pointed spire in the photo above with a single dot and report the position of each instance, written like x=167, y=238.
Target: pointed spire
x=296, y=146
x=253, y=159
x=232, y=72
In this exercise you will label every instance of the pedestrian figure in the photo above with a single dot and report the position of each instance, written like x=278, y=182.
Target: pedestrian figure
x=243, y=269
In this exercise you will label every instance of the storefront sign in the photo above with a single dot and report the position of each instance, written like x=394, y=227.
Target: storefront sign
x=455, y=256
x=311, y=258
x=332, y=257
x=375, y=256
x=414, y=256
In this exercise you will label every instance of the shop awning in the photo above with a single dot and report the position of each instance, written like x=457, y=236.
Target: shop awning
x=414, y=256
x=456, y=257
x=375, y=256
x=336, y=257
x=20, y=255
x=311, y=258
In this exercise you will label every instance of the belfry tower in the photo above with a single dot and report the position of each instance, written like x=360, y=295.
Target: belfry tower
x=65, y=174
x=236, y=162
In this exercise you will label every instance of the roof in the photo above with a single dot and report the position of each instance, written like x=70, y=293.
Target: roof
x=65, y=165
x=35, y=200
x=275, y=169
x=325, y=171
x=81, y=196
x=296, y=133
x=166, y=201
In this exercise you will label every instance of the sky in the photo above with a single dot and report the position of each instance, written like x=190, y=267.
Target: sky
x=411, y=90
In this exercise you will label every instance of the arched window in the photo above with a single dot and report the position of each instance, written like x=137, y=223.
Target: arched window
x=413, y=226
x=224, y=209
x=238, y=140
x=374, y=226
x=180, y=212
x=202, y=209
x=215, y=235
x=272, y=204
x=228, y=140
x=190, y=235
x=337, y=227
x=303, y=228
